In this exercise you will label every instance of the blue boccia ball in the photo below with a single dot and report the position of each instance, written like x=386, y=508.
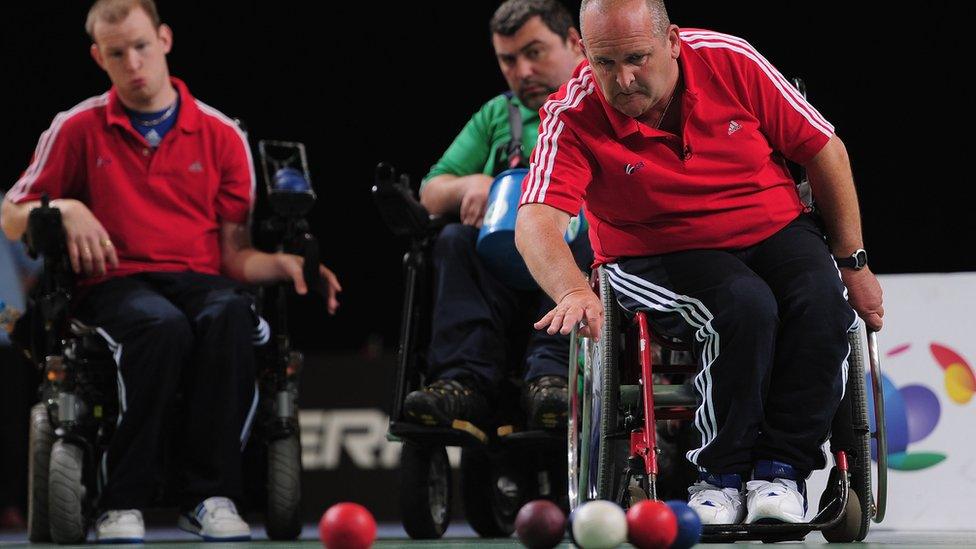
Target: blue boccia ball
x=291, y=180
x=689, y=525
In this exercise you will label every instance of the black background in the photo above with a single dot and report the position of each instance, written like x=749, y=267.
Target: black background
x=360, y=82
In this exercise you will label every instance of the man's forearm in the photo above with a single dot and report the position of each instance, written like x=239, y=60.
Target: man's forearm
x=14, y=217
x=252, y=266
x=443, y=193
x=833, y=188
x=539, y=233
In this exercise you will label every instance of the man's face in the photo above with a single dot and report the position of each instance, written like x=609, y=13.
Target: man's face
x=133, y=53
x=634, y=68
x=536, y=61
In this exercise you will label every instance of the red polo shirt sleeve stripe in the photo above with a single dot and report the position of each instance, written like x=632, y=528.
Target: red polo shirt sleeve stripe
x=791, y=124
x=54, y=168
x=560, y=169
x=235, y=196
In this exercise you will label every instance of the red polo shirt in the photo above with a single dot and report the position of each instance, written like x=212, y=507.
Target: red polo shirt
x=161, y=207
x=720, y=184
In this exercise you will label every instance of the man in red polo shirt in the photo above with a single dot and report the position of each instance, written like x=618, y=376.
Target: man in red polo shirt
x=675, y=141
x=155, y=190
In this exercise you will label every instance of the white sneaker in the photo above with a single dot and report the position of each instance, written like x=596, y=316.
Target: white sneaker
x=716, y=505
x=774, y=501
x=120, y=526
x=216, y=519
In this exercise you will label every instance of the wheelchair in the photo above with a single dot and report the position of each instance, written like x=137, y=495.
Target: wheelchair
x=633, y=385
x=617, y=398
x=72, y=424
x=499, y=470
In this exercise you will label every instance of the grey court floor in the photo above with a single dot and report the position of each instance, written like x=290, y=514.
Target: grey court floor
x=460, y=536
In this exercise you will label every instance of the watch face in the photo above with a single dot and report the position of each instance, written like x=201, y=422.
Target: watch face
x=860, y=259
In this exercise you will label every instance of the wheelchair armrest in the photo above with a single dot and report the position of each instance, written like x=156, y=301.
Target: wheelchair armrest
x=398, y=206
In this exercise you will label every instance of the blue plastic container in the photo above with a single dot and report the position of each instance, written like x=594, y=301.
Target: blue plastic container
x=496, y=241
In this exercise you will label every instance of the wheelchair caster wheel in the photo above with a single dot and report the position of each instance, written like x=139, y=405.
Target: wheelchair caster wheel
x=66, y=493
x=283, y=520
x=425, y=490
x=41, y=439
x=491, y=492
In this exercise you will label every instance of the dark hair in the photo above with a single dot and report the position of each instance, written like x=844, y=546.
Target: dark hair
x=510, y=16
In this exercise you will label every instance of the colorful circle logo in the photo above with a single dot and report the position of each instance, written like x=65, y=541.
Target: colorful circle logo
x=960, y=383
x=913, y=411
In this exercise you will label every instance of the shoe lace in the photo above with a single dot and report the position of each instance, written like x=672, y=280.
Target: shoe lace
x=704, y=491
x=546, y=383
x=220, y=507
x=121, y=515
x=764, y=487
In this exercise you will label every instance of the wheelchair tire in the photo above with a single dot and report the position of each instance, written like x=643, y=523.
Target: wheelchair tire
x=491, y=493
x=41, y=438
x=859, y=458
x=605, y=399
x=66, y=493
x=425, y=490
x=283, y=519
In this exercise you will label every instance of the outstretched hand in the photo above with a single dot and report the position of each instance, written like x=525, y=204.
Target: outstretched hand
x=580, y=307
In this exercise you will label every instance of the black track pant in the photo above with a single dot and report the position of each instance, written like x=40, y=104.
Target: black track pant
x=171, y=332
x=479, y=322
x=769, y=328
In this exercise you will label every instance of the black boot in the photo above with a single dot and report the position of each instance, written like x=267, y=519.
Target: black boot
x=546, y=403
x=444, y=401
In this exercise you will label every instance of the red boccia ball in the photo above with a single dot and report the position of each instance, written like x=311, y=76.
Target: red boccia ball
x=540, y=524
x=651, y=524
x=347, y=526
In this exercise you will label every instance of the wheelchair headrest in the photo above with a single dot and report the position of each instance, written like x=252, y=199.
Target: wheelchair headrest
x=399, y=208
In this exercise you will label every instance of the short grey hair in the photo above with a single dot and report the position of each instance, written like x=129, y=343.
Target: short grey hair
x=659, y=14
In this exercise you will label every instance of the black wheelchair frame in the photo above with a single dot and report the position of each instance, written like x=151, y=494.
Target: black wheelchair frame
x=71, y=426
x=499, y=470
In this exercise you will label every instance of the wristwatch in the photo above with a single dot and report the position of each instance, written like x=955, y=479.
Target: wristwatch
x=857, y=260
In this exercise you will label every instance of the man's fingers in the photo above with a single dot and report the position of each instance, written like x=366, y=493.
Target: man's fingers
x=73, y=253
x=87, y=262
x=545, y=320
x=572, y=318
x=111, y=257
x=294, y=270
x=332, y=287
x=874, y=322
x=330, y=277
x=556, y=323
x=98, y=256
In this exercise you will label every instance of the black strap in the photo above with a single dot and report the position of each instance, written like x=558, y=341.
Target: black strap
x=515, y=126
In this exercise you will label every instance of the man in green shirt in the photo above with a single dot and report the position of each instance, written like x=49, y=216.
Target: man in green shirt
x=477, y=319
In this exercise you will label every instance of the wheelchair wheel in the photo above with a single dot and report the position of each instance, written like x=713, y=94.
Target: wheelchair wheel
x=66, y=493
x=859, y=457
x=852, y=434
x=425, y=490
x=283, y=520
x=38, y=465
x=491, y=493
x=607, y=454
x=851, y=524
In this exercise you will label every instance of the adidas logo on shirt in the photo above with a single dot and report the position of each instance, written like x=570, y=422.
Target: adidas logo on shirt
x=733, y=127
x=196, y=167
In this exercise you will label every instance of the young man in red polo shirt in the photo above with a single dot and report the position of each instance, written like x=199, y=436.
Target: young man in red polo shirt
x=155, y=190
x=674, y=140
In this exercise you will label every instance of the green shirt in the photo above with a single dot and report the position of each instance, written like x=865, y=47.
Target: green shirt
x=481, y=147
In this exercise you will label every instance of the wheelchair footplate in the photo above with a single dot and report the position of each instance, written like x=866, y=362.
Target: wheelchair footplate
x=461, y=433
x=510, y=436
x=829, y=517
